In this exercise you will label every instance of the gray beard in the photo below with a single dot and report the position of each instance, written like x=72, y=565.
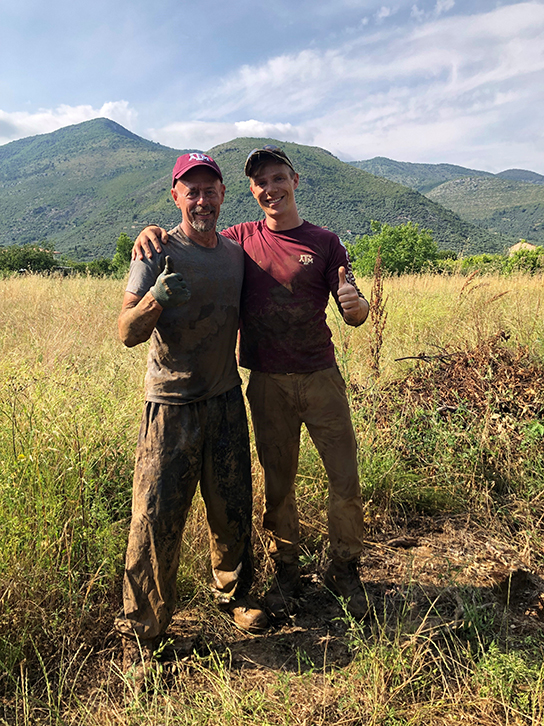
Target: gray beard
x=202, y=226
x=206, y=225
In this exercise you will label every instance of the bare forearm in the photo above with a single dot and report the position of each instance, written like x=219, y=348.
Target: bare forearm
x=137, y=320
x=357, y=315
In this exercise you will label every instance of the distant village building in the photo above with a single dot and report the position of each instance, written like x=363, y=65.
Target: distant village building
x=521, y=245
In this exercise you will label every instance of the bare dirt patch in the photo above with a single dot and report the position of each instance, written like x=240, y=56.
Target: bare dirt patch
x=435, y=574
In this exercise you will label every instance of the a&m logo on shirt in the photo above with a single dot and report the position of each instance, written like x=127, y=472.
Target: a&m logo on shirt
x=306, y=259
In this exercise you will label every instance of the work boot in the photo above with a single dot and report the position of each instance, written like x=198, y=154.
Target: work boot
x=138, y=660
x=246, y=613
x=281, y=599
x=342, y=578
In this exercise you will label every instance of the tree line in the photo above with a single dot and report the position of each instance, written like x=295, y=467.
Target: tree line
x=41, y=258
x=403, y=249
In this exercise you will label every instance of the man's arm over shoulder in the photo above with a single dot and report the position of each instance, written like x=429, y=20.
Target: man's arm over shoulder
x=150, y=238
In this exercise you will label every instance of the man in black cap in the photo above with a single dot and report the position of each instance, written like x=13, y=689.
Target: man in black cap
x=194, y=426
x=291, y=268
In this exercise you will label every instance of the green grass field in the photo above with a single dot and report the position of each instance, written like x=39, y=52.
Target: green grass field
x=451, y=454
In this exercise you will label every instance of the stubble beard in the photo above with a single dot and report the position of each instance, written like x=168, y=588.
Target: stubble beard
x=204, y=225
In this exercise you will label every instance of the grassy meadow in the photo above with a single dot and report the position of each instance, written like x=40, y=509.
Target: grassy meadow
x=451, y=459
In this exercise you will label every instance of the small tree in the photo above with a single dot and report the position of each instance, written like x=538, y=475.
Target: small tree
x=404, y=248
x=99, y=268
x=123, y=252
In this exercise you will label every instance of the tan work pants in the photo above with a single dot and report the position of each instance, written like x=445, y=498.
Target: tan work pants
x=280, y=403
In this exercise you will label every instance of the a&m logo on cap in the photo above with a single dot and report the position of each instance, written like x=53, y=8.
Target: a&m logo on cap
x=199, y=157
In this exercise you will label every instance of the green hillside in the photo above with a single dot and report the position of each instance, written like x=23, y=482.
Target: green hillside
x=513, y=208
x=521, y=175
x=421, y=177
x=80, y=187
x=345, y=199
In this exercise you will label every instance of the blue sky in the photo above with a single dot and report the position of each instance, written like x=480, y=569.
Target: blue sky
x=417, y=80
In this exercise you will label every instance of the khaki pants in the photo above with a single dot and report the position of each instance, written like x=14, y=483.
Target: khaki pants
x=178, y=446
x=280, y=403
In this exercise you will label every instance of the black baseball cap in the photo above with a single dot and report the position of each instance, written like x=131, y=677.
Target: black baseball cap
x=268, y=151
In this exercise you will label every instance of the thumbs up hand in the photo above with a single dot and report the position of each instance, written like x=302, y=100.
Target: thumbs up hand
x=170, y=289
x=354, y=307
x=348, y=297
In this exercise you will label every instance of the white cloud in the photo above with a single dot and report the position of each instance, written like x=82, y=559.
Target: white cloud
x=206, y=134
x=417, y=13
x=441, y=86
x=280, y=131
x=121, y=112
x=19, y=124
x=451, y=57
x=383, y=12
x=442, y=6
x=435, y=90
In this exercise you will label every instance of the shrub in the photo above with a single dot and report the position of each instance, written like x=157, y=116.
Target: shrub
x=29, y=257
x=404, y=248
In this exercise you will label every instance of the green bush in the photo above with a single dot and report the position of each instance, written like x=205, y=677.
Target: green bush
x=404, y=248
x=123, y=253
x=530, y=261
x=525, y=261
x=29, y=257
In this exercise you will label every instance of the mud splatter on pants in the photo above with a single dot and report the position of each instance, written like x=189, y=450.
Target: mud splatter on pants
x=280, y=403
x=178, y=446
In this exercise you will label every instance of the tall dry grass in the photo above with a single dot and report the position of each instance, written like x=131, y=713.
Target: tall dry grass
x=427, y=313
x=70, y=403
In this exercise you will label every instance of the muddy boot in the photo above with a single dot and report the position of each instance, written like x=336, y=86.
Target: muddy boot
x=281, y=599
x=246, y=613
x=343, y=580
x=138, y=661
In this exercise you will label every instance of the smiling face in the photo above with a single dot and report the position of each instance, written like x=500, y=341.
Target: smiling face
x=199, y=195
x=273, y=186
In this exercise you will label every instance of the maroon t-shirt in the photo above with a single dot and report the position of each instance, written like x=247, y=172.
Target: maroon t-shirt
x=288, y=277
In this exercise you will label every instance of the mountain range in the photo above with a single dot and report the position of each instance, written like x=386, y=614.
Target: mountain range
x=510, y=202
x=79, y=187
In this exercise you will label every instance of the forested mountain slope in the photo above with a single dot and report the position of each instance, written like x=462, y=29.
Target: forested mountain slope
x=79, y=187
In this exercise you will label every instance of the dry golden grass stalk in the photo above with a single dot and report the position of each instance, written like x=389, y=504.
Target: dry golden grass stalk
x=378, y=317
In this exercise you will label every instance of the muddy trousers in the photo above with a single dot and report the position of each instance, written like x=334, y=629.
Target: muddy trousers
x=178, y=446
x=280, y=404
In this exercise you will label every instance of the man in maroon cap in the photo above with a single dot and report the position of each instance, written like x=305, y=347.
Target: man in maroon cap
x=291, y=268
x=194, y=426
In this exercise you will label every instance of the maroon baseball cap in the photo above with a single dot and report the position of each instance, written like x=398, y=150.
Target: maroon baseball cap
x=188, y=161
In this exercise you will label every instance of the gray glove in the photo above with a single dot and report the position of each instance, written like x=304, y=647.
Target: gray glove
x=170, y=289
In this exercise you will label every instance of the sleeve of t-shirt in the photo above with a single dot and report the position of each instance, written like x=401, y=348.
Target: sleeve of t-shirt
x=339, y=257
x=143, y=274
x=234, y=233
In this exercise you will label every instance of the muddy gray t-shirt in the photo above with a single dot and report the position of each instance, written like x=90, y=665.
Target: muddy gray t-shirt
x=192, y=352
